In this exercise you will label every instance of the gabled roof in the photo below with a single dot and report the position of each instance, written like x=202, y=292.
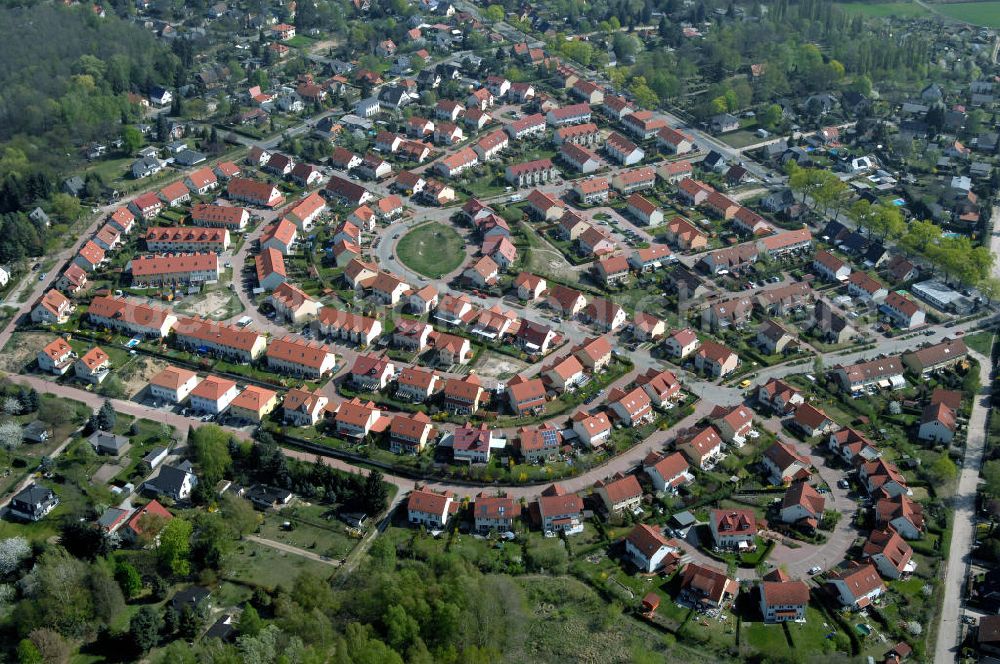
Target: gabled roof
x=784, y=593
x=647, y=540
x=802, y=493
x=859, y=580
x=620, y=488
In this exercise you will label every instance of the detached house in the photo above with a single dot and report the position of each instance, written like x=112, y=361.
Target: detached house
x=619, y=493
x=902, y=514
x=702, y=448
x=890, y=553
x=371, y=373
x=644, y=210
x=715, y=359
x=57, y=357
x=559, y=511
x=902, y=311
x=409, y=434
x=592, y=430
x=707, y=587
x=52, y=308
x=357, y=419
x=430, y=508
x=303, y=408
x=525, y=395
x=780, y=396
x=667, y=471
x=682, y=343
x=802, y=504
x=733, y=529
x=857, y=586
x=650, y=551
x=812, y=421
x=784, y=601
x=495, y=513
x=784, y=464
x=213, y=395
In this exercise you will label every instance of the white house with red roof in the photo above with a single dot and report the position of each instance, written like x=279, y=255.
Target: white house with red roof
x=667, y=471
x=592, y=430
x=650, y=551
x=784, y=464
x=632, y=407
x=644, y=210
x=783, y=600
x=57, y=357
x=563, y=374
x=802, y=504
x=372, y=373
x=812, y=421
x=734, y=423
x=529, y=286
x=702, y=448
x=780, y=396
x=430, y=508
x=409, y=433
x=903, y=514
x=682, y=343
x=715, y=359
x=495, y=512
x=619, y=493
x=357, y=418
x=881, y=477
x=733, y=528
x=559, y=511
x=857, y=586
x=661, y=385
x=890, y=553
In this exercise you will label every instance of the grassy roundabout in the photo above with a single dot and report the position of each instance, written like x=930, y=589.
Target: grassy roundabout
x=432, y=250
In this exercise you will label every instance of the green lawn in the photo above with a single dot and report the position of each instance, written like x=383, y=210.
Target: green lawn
x=741, y=138
x=311, y=529
x=432, y=250
x=978, y=13
x=300, y=41
x=881, y=10
x=261, y=565
x=980, y=342
x=571, y=623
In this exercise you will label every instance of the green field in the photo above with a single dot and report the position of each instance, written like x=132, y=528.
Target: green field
x=883, y=9
x=432, y=250
x=978, y=13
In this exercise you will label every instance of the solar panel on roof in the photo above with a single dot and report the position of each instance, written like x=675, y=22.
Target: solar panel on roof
x=549, y=436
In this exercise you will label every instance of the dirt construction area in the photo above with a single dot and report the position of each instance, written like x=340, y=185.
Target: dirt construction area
x=22, y=350
x=501, y=367
x=214, y=304
x=136, y=374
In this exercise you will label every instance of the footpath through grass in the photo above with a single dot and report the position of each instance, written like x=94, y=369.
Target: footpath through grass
x=432, y=250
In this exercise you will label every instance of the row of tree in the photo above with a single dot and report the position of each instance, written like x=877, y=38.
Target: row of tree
x=953, y=255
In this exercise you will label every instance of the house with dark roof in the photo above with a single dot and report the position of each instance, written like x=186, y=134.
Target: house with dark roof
x=33, y=503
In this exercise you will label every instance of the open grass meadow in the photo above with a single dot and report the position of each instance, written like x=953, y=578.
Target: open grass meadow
x=260, y=565
x=986, y=14
x=432, y=250
x=885, y=9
